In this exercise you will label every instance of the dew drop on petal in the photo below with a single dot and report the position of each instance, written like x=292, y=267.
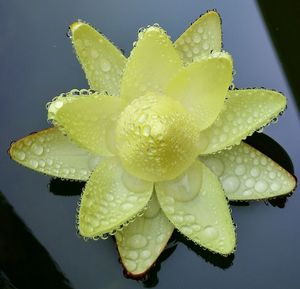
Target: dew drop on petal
x=130, y=265
x=261, y=186
x=105, y=65
x=231, y=184
x=160, y=238
x=145, y=254
x=255, y=172
x=147, y=131
x=132, y=255
x=210, y=232
x=20, y=155
x=275, y=186
x=94, y=54
x=205, y=45
x=240, y=170
x=34, y=163
x=127, y=206
x=137, y=241
x=37, y=149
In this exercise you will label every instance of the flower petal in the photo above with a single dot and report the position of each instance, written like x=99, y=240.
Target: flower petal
x=101, y=61
x=245, y=111
x=89, y=120
x=141, y=242
x=202, y=86
x=52, y=153
x=247, y=174
x=201, y=38
x=195, y=203
x=151, y=65
x=111, y=198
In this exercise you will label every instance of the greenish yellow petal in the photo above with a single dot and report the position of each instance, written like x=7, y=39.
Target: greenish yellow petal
x=111, y=198
x=89, y=120
x=101, y=61
x=202, y=86
x=156, y=138
x=195, y=203
x=52, y=153
x=152, y=64
x=247, y=174
x=245, y=111
x=141, y=242
x=201, y=38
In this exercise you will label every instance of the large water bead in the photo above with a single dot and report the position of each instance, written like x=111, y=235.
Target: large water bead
x=157, y=139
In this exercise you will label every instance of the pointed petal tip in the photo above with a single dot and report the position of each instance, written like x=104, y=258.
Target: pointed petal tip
x=228, y=248
x=75, y=25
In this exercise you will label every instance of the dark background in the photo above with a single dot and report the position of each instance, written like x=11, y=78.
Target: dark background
x=39, y=247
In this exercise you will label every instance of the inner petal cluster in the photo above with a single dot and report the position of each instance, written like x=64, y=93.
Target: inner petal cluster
x=157, y=139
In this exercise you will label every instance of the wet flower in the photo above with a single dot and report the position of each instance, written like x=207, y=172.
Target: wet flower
x=158, y=138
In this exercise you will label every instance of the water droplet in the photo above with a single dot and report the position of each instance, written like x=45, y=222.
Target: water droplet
x=37, y=149
x=275, y=186
x=142, y=118
x=210, y=232
x=186, y=230
x=137, y=241
x=231, y=184
x=240, y=170
x=20, y=155
x=146, y=130
x=250, y=183
x=160, y=238
x=200, y=30
x=247, y=193
x=255, y=172
x=145, y=254
x=263, y=161
x=272, y=175
x=127, y=206
x=58, y=104
x=261, y=186
x=130, y=265
x=69, y=33
x=195, y=50
x=205, y=45
x=196, y=38
x=105, y=65
x=132, y=255
x=94, y=53
x=28, y=142
x=34, y=163
x=189, y=218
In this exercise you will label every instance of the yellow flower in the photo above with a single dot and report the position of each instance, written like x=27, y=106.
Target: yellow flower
x=145, y=137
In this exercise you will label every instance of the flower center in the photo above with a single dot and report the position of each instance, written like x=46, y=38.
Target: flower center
x=156, y=138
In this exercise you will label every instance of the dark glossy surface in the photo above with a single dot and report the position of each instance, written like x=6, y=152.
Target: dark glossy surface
x=37, y=63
